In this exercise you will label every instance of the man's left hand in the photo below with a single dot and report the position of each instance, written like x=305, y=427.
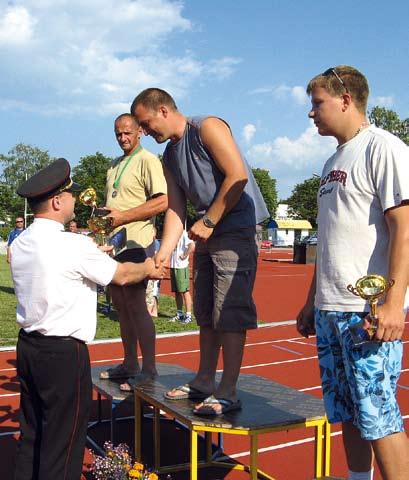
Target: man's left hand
x=117, y=217
x=199, y=231
x=391, y=323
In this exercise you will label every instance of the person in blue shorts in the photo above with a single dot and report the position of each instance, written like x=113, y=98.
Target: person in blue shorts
x=363, y=228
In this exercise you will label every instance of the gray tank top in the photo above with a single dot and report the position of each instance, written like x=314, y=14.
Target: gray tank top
x=198, y=176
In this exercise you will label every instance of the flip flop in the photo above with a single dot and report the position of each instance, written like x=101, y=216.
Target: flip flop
x=119, y=371
x=188, y=392
x=206, y=408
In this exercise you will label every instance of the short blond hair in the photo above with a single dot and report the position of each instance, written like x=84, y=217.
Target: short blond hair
x=343, y=78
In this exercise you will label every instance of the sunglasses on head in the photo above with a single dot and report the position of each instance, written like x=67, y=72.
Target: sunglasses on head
x=332, y=71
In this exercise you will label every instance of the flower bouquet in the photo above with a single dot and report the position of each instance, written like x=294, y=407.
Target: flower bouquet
x=117, y=464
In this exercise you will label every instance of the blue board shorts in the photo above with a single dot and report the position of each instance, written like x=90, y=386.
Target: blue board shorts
x=358, y=382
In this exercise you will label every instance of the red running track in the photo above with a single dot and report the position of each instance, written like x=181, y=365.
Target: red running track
x=275, y=352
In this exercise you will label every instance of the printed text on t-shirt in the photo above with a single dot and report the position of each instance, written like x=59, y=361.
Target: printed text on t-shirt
x=334, y=176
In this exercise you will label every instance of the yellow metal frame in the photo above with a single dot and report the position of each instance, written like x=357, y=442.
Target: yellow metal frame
x=322, y=444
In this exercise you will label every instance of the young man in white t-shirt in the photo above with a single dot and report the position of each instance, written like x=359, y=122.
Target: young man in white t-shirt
x=180, y=278
x=363, y=228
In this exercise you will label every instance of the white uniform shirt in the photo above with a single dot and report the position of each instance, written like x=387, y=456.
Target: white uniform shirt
x=55, y=274
x=364, y=178
x=181, y=247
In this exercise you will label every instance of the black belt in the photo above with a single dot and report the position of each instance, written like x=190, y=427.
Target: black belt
x=36, y=334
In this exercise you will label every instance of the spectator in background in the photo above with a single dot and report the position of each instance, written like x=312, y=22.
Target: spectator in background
x=19, y=227
x=153, y=287
x=72, y=227
x=179, y=277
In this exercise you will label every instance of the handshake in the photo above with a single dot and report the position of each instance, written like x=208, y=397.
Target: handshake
x=154, y=272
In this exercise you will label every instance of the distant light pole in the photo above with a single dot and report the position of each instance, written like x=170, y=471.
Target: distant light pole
x=26, y=214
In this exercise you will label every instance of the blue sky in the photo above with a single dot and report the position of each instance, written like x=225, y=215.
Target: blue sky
x=68, y=67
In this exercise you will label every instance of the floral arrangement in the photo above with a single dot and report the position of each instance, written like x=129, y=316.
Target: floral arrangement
x=117, y=464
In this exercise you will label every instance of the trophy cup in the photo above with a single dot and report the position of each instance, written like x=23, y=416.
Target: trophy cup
x=371, y=288
x=99, y=224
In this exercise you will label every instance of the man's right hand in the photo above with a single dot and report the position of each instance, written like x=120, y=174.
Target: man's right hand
x=153, y=272
x=305, y=321
x=160, y=259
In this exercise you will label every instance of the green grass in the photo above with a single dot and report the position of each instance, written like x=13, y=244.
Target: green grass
x=107, y=325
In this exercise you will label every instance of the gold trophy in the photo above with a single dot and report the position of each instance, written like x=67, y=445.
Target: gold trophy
x=371, y=288
x=99, y=224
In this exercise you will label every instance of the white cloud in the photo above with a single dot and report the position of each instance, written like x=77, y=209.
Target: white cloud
x=248, y=132
x=300, y=96
x=223, y=67
x=284, y=92
x=95, y=56
x=16, y=26
x=386, y=102
x=291, y=161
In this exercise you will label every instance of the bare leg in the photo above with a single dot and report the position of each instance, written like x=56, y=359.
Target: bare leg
x=143, y=325
x=128, y=331
x=233, y=347
x=392, y=456
x=179, y=301
x=358, y=451
x=188, y=301
x=209, y=354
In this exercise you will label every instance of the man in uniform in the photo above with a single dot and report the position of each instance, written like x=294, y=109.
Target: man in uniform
x=136, y=191
x=203, y=163
x=363, y=228
x=55, y=275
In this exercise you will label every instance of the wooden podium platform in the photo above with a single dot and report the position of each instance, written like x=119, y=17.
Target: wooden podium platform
x=267, y=407
x=110, y=392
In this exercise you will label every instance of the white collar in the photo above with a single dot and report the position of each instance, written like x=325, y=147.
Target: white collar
x=48, y=223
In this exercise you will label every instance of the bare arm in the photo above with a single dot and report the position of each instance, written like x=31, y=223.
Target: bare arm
x=391, y=318
x=218, y=139
x=305, y=319
x=149, y=209
x=128, y=272
x=8, y=255
x=190, y=249
x=174, y=219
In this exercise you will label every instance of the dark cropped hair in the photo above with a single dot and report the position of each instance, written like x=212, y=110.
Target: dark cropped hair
x=153, y=98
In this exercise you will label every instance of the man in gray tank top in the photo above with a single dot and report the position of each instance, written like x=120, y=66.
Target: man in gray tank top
x=202, y=163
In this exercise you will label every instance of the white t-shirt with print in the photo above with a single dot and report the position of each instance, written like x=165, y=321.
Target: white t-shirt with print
x=365, y=177
x=181, y=247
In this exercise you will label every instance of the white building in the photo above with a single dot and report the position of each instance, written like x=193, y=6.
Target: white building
x=283, y=230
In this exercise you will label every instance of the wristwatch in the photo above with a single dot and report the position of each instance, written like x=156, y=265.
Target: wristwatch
x=208, y=222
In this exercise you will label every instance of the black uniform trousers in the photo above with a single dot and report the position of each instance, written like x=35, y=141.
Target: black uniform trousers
x=56, y=395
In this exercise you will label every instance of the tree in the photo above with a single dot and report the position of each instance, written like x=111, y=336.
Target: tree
x=21, y=162
x=268, y=189
x=303, y=200
x=390, y=121
x=91, y=172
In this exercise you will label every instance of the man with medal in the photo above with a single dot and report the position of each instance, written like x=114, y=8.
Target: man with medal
x=135, y=192
x=363, y=237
